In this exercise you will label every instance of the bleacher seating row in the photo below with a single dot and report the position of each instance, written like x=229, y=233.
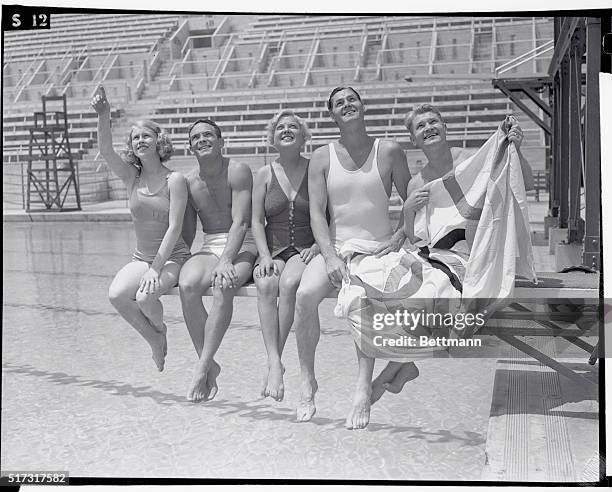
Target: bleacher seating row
x=98, y=32
x=291, y=61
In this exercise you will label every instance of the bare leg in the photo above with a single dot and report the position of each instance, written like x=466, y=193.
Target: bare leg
x=151, y=306
x=385, y=377
x=407, y=372
x=267, y=295
x=359, y=415
x=204, y=382
x=122, y=295
x=313, y=288
x=194, y=280
x=288, y=285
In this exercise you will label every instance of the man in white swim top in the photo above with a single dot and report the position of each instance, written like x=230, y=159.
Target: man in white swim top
x=428, y=132
x=220, y=196
x=352, y=179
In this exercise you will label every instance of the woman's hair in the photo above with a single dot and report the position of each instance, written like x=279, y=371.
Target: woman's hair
x=271, y=126
x=164, y=144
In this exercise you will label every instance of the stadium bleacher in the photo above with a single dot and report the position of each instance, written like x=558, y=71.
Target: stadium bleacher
x=240, y=70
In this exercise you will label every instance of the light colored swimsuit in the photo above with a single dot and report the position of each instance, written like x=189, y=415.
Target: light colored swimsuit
x=150, y=213
x=215, y=238
x=214, y=243
x=357, y=201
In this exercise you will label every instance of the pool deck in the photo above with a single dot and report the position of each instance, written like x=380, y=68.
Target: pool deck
x=117, y=210
x=68, y=404
x=71, y=401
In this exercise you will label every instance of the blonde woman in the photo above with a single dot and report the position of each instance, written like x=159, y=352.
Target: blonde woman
x=157, y=199
x=281, y=228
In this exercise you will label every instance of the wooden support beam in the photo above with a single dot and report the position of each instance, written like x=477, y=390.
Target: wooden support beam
x=531, y=94
x=562, y=43
x=592, y=145
x=555, y=174
x=564, y=140
x=575, y=142
x=547, y=361
x=499, y=84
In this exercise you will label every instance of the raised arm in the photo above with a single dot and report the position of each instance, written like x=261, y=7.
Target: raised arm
x=241, y=183
x=515, y=135
x=317, y=195
x=100, y=104
x=527, y=172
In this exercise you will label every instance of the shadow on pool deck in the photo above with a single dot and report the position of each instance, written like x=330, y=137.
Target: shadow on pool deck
x=257, y=410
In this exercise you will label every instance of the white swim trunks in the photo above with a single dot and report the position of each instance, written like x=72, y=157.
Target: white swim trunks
x=215, y=244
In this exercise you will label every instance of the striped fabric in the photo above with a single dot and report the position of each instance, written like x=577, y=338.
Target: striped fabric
x=474, y=240
x=485, y=196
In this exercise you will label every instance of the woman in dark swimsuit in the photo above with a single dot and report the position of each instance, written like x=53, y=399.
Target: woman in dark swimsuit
x=157, y=199
x=281, y=228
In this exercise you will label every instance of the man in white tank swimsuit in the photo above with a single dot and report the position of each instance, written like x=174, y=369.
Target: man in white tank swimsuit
x=352, y=179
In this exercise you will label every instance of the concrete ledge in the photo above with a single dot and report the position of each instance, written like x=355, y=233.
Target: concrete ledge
x=105, y=215
x=548, y=223
x=519, y=292
x=567, y=255
x=556, y=235
x=79, y=216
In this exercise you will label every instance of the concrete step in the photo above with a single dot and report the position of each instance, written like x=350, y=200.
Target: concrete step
x=540, y=422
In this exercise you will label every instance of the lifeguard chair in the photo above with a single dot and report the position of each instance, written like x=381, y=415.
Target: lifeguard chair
x=52, y=174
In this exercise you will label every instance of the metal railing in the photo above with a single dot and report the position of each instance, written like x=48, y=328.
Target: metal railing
x=533, y=54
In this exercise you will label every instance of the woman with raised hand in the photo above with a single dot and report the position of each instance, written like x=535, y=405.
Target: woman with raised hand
x=157, y=199
x=281, y=228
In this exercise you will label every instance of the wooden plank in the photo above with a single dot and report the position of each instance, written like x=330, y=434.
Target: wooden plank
x=544, y=359
x=533, y=293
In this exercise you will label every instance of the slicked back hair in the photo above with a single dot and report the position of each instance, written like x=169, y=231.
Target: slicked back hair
x=208, y=122
x=338, y=89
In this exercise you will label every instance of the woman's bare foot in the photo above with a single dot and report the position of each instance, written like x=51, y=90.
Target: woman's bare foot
x=306, y=406
x=407, y=372
x=273, y=384
x=165, y=344
x=359, y=415
x=204, y=382
x=159, y=348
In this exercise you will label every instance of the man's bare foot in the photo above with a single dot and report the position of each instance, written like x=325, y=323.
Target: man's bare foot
x=407, y=372
x=306, y=406
x=211, y=380
x=159, y=349
x=204, y=382
x=273, y=384
x=359, y=415
x=385, y=376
